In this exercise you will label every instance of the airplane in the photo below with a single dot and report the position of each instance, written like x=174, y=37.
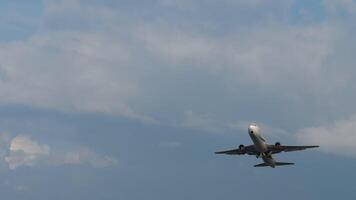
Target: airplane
x=260, y=148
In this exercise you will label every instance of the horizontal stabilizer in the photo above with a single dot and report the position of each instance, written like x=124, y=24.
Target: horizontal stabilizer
x=277, y=164
x=283, y=163
x=262, y=165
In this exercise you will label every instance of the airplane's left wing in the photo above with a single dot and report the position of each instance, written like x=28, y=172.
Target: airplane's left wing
x=280, y=148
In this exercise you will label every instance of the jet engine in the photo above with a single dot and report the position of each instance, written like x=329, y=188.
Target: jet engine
x=241, y=147
x=278, y=146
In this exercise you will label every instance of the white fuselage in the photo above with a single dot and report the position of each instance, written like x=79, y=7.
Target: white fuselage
x=260, y=144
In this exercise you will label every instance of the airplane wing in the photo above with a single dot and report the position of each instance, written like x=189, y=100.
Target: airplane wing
x=239, y=151
x=232, y=152
x=280, y=148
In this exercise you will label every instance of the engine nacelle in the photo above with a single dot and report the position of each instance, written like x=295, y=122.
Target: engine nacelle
x=241, y=147
x=278, y=146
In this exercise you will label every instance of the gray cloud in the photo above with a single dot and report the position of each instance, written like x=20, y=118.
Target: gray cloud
x=83, y=69
x=265, y=56
x=209, y=123
x=69, y=72
x=200, y=66
x=24, y=151
x=337, y=137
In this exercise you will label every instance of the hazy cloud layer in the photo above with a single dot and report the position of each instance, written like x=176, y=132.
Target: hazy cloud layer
x=76, y=67
x=337, y=138
x=82, y=69
x=24, y=151
x=88, y=57
x=67, y=72
x=264, y=56
x=79, y=78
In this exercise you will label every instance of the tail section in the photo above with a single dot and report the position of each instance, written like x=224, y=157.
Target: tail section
x=276, y=164
x=283, y=163
x=262, y=165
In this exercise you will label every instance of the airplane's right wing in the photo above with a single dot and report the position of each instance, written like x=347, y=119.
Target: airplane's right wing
x=239, y=151
x=232, y=152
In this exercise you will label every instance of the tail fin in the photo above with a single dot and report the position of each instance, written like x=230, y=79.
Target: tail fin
x=277, y=164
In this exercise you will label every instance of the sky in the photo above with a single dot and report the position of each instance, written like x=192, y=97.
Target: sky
x=130, y=99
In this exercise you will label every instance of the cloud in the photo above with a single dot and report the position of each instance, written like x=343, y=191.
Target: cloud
x=212, y=124
x=28, y=146
x=24, y=151
x=71, y=72
x=337, y=137
x=113, y=63
x=254, y=9
x=200, y=122
x=83, y=156
x=265, y=55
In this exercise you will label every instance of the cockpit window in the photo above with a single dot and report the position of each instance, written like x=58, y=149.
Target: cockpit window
x=253, y=124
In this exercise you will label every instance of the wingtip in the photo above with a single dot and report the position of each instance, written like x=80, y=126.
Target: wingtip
x=313, y=146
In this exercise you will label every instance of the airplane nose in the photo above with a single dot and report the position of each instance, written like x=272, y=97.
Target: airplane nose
x=251, y=129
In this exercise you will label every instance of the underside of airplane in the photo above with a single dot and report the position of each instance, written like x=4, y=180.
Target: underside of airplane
x=261, y=149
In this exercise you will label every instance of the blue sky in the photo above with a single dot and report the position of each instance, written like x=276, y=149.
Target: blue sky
x=129, y=99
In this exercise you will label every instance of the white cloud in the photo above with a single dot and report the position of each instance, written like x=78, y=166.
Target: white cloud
x=337, y=138
x=69, y=71
x=28, y=146
x=266, y=55
x=83, y=156
x=24, y=151
x=212, y=124
x=96, y=69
